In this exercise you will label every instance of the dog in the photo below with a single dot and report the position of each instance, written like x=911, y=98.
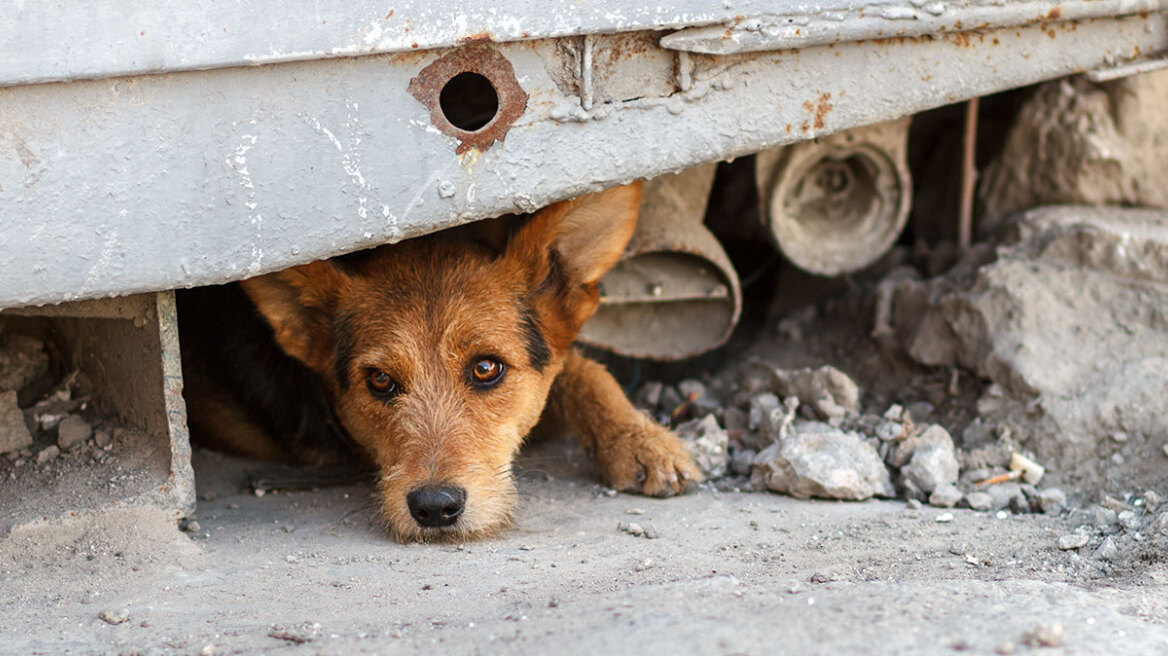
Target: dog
x=432, y=360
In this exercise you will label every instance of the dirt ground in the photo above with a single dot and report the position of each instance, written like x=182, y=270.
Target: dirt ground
x=730, y=573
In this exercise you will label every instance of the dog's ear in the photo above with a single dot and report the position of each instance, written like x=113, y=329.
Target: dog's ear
x=299, y=303
x=584, y=236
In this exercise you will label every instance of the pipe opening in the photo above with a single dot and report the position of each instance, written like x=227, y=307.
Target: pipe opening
x=469, y=101
x=835, y=195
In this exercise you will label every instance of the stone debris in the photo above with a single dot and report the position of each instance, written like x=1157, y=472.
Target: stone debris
x=22, y=361
x=826, y=390
x=14, y=434
x=1063, y=321
x=943, y=518
x=707, y=443
x=644, y=565
x=1072, y=541
x=945, y=496
x=300, y=634
x=47, y=455
x=1095, y=149
x=979, y=501
x=818, y=460
x=742, y=461
x=72, y=431
x=1107, y=549
x=927, y=461
x=1051, y=500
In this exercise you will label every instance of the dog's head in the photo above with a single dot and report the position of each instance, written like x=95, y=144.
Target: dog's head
x=440, y=352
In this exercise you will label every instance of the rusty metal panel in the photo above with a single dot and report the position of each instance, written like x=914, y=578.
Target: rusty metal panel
x=143, y=183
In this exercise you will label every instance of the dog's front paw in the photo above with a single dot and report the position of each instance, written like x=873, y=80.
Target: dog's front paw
x=648, y=459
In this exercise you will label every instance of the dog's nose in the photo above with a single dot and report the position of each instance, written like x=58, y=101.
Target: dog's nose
x=436, y=505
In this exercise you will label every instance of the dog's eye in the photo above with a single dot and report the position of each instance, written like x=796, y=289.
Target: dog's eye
x=486, y=371
x=380, y=383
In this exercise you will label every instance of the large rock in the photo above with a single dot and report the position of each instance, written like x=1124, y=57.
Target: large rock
x=1075, y=142
x=818, y=460
x=1071, y=321
x=13, y=431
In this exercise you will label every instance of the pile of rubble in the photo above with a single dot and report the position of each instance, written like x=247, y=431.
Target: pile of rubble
x=801, y=432
x=38, y=428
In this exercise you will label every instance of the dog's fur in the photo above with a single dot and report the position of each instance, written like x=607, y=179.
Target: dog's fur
x=308, y=381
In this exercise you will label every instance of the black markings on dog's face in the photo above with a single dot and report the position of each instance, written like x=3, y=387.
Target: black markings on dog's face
x=343, y=350
x=538, y=351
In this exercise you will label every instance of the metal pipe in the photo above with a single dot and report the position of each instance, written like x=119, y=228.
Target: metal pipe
x=836, y=205
x=674, y=294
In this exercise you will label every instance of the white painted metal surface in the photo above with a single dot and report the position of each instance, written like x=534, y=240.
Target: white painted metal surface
x=146, y=182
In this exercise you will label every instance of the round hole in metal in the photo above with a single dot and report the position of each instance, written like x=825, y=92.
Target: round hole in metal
x=469, y=101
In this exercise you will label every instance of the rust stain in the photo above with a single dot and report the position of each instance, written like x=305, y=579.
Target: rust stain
x=486, y=61
x=819, y=109
x=1055, y=13
x=788, y=127
x=997, y=41
x=389, y=15
x=961, y=39
x=477, y=37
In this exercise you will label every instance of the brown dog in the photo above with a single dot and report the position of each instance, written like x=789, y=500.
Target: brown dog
x=435, y=357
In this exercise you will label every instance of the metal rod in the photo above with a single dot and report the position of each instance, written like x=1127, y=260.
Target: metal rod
x=968, y=176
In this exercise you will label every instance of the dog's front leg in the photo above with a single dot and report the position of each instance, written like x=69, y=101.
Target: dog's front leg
x=634, y=452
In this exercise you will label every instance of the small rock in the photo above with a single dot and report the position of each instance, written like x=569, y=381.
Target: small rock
x=1045, y=635
x=920, y=411
x=707, y=444
x=644, y=565
x=14, y=433
x=1051, y=500
x=889, y=430
x=1129, y=520
x=1072, y=541
x=1104, y=518
x=1005, y=649
x=1007, y=495
x=945, y=496
x=1107, y=549
x=827, y=390
x=1160, y=525
x=943, y=518
x=1165, y=450
x=649, y=396
x=48, y=454
x=1114, y=505
x=207, y=650
x=632, y=528
x=670, y=399
x=102, y=438
x=742, y=461
x=735, y=419
x=1152, y=500
x=818, y=460
x=979, y=501
x=192, y=527
x=72, y=431
x=114, y=615
x=931, y=465
x=761, y=406
x=913, y=504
